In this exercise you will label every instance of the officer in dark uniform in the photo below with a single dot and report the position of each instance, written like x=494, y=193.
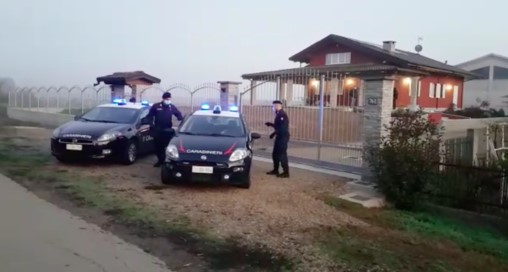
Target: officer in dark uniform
x=281, y=134
x=160, y=117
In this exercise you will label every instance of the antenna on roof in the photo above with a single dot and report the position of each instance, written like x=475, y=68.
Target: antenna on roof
x=419, y=47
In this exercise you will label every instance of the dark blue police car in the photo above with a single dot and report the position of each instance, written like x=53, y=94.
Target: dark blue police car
x=115, y=130
x=210, y=145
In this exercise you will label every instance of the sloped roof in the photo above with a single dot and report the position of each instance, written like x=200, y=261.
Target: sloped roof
x=398, y=57
x=490, y=56
x=124, y=77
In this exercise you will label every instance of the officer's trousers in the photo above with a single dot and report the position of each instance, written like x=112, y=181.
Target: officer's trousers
x=161, y=139
x=280, y=154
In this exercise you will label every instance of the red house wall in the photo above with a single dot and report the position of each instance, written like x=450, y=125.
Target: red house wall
x=319, y=58
x=427, y=102
x=403, y=100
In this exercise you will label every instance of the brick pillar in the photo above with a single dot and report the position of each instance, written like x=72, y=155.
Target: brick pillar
x=289, y=92
x=229, y=93
x=117, y=91
x=253, y=95
x=378, y=102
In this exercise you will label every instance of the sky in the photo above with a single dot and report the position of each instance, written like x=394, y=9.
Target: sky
x=68, y=42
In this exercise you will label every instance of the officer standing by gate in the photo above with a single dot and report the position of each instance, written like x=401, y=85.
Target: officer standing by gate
x=160, y=118
x=281, y=134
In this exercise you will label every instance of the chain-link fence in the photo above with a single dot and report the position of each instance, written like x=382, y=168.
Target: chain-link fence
x=78, y=99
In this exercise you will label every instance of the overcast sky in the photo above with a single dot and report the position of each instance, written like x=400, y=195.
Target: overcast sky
x=55, y=42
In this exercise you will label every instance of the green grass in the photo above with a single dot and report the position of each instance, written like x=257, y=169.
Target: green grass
x=31, y=167
x=405, y=241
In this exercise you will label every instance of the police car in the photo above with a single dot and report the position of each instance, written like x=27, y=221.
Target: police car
x=116, y=130
x=210, y=145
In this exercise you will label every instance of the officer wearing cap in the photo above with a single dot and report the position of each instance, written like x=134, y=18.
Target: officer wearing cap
x=281, y=134
x=160, y=117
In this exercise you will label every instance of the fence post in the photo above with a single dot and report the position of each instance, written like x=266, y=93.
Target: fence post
x=377, y=114
x=277, y=92
x=321, y=112
x=471, y=146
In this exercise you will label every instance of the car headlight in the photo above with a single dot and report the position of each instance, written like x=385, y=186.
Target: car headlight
x=239, y=154
x=172, y=152
x=107, y=137
x=56, y=132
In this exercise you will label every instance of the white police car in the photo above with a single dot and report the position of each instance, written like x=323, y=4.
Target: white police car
x=210, y=145
x=112, y=130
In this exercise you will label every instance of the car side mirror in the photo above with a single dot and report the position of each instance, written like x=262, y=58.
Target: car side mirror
x=77, y=117
x=255, y=135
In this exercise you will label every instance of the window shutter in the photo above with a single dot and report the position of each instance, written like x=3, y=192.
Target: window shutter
x=432, y=90
x=419, y=88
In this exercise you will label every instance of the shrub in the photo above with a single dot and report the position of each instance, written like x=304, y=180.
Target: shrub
x=404, y=163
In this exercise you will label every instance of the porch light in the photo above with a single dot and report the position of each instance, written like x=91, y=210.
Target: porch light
x=407, y=80
x=350, y=81
x=448, y=87
x=314, y=82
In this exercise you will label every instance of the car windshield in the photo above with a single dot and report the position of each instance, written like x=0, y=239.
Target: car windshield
x=110, y=115
x=213, y=126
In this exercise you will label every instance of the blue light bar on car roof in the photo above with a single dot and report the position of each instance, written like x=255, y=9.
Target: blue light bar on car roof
x=205, y=107
x=217, y=109
x=119, y=101
x=233, y=108
x=145, y=103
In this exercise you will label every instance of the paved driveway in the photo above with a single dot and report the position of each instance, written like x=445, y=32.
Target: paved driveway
x=38, y=236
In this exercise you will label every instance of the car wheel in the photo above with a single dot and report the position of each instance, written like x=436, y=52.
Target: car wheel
x=130, y=153
x=63, y=159
x=245, y=184
x=166, y=177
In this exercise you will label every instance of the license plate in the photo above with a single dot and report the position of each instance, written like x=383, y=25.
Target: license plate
x=74, y=147
x=202, y=169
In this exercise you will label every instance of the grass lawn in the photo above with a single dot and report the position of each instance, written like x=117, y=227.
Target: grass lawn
x=403, y=241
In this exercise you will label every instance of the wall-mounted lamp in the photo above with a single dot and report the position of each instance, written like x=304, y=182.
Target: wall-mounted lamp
x=448, y=87
x=314, y=82
x=350, y=81
x=407, y=80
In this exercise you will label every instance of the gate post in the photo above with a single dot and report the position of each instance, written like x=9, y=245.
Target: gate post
x=229, y=93
x=378, y=102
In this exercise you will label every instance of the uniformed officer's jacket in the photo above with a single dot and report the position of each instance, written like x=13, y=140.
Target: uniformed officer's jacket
x=162, y=116
x=281, y=124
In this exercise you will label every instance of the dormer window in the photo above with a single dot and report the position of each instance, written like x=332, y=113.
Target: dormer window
x=338, y=58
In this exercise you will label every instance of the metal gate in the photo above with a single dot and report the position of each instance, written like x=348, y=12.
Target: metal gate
x=325, y=112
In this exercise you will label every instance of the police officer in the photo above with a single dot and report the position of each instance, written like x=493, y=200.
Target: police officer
x=281, y=134
x=160, y=117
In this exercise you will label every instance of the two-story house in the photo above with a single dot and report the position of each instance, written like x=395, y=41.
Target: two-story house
x=437, y=86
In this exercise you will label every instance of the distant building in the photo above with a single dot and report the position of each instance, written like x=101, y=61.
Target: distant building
x=493, y=86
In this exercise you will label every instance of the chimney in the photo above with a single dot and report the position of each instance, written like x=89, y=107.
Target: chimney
x=389, y=45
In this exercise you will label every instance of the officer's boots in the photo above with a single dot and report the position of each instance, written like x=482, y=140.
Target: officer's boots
x=284, y=174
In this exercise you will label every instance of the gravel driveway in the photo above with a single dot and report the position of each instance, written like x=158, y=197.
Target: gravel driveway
x=281, y=214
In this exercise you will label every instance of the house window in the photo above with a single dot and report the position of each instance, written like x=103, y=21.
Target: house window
x=483, y=72
x=439, y=90
x=500, y=73
x=432, y=90
x=338, y=58
x=419, y=88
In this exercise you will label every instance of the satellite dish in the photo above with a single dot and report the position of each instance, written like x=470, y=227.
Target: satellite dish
x=418, y=48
